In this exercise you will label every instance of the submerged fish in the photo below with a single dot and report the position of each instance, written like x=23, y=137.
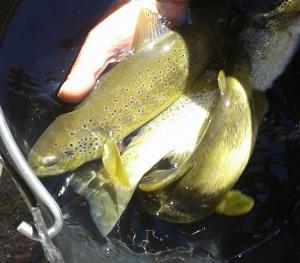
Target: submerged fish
x=128, y=96
x=175, y=132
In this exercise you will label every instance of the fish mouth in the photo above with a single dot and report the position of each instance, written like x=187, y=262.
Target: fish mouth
x=46, y=171
x=42, y=168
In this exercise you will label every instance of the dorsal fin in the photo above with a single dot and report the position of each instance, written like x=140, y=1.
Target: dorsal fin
x=150, y=26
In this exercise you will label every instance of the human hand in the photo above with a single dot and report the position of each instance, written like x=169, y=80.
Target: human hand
x=108, y=40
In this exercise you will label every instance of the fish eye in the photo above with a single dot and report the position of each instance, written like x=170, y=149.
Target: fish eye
x=51, y=164
x=49, y=161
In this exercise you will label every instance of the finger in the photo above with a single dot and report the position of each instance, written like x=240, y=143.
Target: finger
x=102, y=45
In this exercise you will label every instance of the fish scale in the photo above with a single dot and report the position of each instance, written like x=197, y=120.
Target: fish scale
x=131, y=94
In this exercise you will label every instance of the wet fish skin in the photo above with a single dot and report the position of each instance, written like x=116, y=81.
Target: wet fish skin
x=175, y=131
x=131, y=94
x=270, y=39
x=283, y=12
x=214, y=166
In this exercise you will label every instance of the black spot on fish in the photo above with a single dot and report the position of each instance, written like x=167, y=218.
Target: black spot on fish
x=68, y=153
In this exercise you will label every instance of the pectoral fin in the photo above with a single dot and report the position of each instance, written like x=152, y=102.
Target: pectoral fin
x=159, y=179
x=101, y=194
x=222, y=82
x=235, y=203
x=113, y=164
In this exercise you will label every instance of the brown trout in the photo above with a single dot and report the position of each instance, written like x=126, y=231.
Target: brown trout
x=174, y=132
x=215, y=165
x=131, y=94
x=271, y=39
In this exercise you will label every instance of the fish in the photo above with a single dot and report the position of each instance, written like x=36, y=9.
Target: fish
x=203, y=183
x=131, y=94
x=174, y=132
x=173, y=135
x=282, y=13
x=270, y=38
x=77, y=245
x=207, y=177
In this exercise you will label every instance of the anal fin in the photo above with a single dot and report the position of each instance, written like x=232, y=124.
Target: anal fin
x=113, y=164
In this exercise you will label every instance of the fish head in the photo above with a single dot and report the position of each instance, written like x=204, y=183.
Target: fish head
x=64, y=146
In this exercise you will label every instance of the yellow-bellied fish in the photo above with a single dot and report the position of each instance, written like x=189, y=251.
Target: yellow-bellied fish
x=207, y=177
x=128, y=96
x=175, y=132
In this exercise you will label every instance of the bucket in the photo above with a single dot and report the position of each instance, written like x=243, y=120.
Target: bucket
x=39, y=42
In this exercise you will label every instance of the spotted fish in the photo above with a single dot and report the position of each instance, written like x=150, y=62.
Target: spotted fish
x=270, y=39
x=131, y=94
x=204, y=181
x=174, y=132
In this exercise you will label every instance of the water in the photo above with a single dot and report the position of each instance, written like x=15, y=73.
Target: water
x=39, y=45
